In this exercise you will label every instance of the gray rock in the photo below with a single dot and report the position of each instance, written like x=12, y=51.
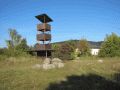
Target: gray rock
x=48, y=66
x=60, y=65
x=55, y=63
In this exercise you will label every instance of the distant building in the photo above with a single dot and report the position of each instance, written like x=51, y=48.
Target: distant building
x=95, y=51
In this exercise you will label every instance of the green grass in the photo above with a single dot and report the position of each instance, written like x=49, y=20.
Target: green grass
x=18, y=74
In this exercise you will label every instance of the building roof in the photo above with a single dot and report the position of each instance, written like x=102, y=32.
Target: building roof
x=44, y=18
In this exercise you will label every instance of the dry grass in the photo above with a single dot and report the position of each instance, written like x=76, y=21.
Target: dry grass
x=18, y=74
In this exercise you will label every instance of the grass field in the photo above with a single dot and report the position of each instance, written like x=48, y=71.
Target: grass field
x=84, y=74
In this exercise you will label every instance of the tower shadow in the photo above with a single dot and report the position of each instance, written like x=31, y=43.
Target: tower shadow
x=86, y=82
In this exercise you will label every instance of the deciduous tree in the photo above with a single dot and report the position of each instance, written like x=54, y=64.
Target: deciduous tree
x=110, y=46
x=83, y=46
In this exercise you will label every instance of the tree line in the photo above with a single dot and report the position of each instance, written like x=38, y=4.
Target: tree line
x=110, y=47
x=68, y=50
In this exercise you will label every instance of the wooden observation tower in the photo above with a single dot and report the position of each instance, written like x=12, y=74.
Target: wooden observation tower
x=43, y=46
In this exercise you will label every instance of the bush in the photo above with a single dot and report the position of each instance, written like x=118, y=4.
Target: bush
x=2, y=51
x=110, y=46
x=13, y=53
x=63, y=51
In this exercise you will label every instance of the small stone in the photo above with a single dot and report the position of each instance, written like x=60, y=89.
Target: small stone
x=37, y=66
x=77, y=58
x=101, y=61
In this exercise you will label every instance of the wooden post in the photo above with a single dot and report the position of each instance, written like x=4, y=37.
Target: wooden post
x=46, y=54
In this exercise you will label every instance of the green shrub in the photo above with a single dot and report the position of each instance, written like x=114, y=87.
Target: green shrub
x=3, y=57
x=14, y=53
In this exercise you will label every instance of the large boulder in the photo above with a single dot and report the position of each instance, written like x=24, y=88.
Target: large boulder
x=57, y=62
x=47, y=61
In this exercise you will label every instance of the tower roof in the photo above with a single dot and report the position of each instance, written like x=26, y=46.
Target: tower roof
x=44, y=18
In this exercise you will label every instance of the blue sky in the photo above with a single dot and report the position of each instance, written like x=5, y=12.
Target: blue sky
x=73, y=19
